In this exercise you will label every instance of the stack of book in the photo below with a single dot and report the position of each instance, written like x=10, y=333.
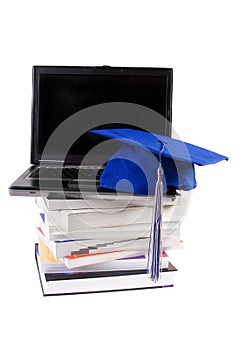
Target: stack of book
x=101, y=245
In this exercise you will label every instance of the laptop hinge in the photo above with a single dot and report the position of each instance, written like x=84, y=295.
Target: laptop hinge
x=51, y=163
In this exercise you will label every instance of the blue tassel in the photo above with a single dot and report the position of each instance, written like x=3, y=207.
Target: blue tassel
x=154, y=251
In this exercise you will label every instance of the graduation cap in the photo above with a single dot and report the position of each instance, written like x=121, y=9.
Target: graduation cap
x=133, y=168
x=149, y=163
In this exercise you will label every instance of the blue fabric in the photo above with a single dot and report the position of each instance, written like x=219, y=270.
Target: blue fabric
x=133, y=168
x=139, y=175
x=174, y=149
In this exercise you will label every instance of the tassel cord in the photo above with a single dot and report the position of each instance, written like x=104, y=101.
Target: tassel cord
x=154, y=251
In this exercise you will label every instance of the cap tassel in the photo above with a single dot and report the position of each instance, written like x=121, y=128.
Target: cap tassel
x=154, y=251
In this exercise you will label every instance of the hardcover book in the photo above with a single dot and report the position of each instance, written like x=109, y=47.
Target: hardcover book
x=100, y=281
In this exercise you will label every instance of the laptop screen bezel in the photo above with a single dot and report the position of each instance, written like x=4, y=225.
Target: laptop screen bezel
x=37, y=71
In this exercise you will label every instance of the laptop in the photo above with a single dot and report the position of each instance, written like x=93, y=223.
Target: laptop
x=68, y=102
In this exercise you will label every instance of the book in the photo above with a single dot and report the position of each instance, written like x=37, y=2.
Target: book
x=101, y=281
x=57, y=232
x=170, y=236
x=61, y=248
x=50, y=264
x=72, y=261
x=93, y=218
x=104, y=201
x=80, y=219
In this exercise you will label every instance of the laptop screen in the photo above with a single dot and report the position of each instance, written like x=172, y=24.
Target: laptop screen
x=60, y=92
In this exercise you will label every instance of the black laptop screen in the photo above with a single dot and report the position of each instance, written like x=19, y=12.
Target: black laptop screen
x=58, y=95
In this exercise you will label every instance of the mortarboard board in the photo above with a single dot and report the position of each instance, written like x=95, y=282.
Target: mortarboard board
x=173, y=164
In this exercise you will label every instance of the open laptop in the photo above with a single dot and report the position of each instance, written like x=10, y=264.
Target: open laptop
x=90, y=97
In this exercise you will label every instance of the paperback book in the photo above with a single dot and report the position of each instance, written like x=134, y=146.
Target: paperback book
x=49, y=263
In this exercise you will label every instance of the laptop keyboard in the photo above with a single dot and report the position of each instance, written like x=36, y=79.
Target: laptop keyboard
x=67, y=173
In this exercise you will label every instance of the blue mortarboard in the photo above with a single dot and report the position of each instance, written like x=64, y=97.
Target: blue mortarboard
x=137, y=161
x=148, y=161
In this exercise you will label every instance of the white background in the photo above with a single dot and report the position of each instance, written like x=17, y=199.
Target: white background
x=195, y=39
